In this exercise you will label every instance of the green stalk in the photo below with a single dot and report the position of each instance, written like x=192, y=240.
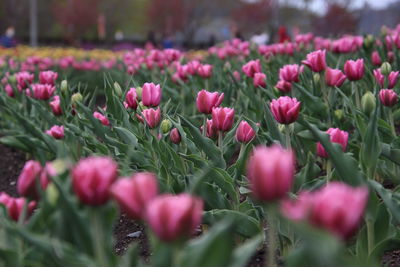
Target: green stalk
x=287, y=135
x=391, y=121
x=220, y=141
x=328, y=170
x=271, y=237
x=205, y=125
x=370, y=235
x=98, y=239
x=356, y=94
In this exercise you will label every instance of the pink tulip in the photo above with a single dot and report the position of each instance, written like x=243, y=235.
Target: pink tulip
x=152, y=117
x=285, y=109
x=259, y=80
x=376, y=59
x=290, y=73
x=134, y=194
x=175, y=136
x=103, y=119
x=41, y=91
x=27, y=180
x=9, y=90
x=223, y=118
x=15, y=206
x=236, y=75
x=55, y=106
x=206, y=101
x=334, y=77
x=56, y=131
x=284, y=86
x=131, y=99
x=316, y=60
x=252, y=67
x=270, y=171
x=151, y=94
x=244, y=133
x=392, y=78
x=92, y=178
x=211, y=131
x=354, y=70
x=174, y=217
x=48, y=77
x=337, y=208
x=390, y=56
x=336, y=136
x=24, y=79
x=193, y=66
x=388, y=97
x=205, y=71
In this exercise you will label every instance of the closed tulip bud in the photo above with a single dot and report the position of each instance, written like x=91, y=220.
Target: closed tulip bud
x=244, y=133
x=131, y=99
x=139, y=91
x=64, y=86
x=316, y=61
x=259, y=80
x=386, y=68
x=316, y=78
x=30, y=177
x=55, y=105
x=166, y=126
x=283, y=86
x=339, y=114
x=134, y=194
x=56, y=131
x=174, y=217
x=334, y=77
x=223, y=118
x=336, y=136
x=324, y=208
x=369, y=41
x=117, y=89
x=152, y=117
x=388, y=97
x=52, y=194
x=211, y=131
x=103, y=119
x=354, y=70
x=92, y=178
x=206, y=101
x=175, y=136
x=270, y=171
x=285, y=109
x=15, y=206
x=376, y=59
x=368, y=103
x=151, y=94
x=75, y=98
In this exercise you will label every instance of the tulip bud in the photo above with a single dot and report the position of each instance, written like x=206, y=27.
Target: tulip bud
x=316, y=78
x=206, y=101
x=64, y=86
x=52, y=194
x=175, y=136
x=244, y=133
x=166, y=126
x=139, y=91
x=152, y=117
x=223, y=118
x=117, y=89
x=368, y=103
x=336, y=136
x=369, y=41
x=388, y=97
x=56, y=131
x=15, y=206
x=339, y=114
x=285, y=109
x=386, y=68
x=75, y=98
x=316, y=60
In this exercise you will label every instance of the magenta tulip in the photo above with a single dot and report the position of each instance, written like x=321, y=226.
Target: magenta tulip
x=244, y=133
x=48, y=77
x=376, y=59
x=103, y=119
x=336, y=136
x=334, y=77
x=174, y=217
x=151, y=94
x=41, y=91
x=15, y=206
x=205, y=71
x=56, y=131
x=252, y=67
x=175, y=136
x=223, y=118
x=31, y=174
x=388, y=97
x=259, y=80
x=290, y=73
x=270, y=171
x=92, y=178
x=206, y=101
x=316, y=60
x=131, y=99
x=134, y=194
x=152, y=117
x=284, y=86
x=55, y=106
x=285, y=109
x=354, y=70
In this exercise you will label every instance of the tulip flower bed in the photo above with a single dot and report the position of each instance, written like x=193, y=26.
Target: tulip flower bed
x=289, y=150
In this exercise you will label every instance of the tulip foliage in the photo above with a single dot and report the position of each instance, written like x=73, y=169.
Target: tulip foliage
x=290, y=150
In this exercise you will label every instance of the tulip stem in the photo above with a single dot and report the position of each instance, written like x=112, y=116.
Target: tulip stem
x=328, y=170
x=391, y=121
x=98, y=238
x=271, y=234
x=287, y=135
x=370, y=235
x=356, y=94
x=205, y=125
x=220, y=133
x=207, y=85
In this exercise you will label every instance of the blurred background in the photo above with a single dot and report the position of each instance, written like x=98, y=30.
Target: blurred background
x=122, y=24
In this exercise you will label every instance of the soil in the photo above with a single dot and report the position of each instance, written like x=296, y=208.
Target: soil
x=126, y=230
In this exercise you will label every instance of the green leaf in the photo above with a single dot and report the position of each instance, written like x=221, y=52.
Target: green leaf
x=272, y=126
x=243, y=253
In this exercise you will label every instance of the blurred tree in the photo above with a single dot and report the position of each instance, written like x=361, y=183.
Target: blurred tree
x=252, y=16
x=168, y=17
x=337, y=20
x=77, y=17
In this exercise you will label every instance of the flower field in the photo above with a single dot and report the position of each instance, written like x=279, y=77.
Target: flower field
x=288, y=151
